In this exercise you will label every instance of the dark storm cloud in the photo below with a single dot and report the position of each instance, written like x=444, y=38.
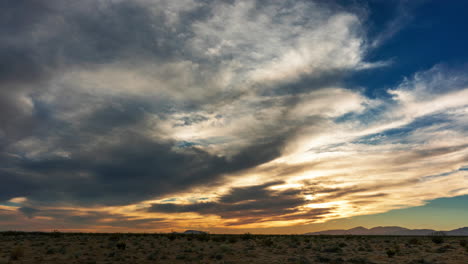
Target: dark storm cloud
x=249, y=205
x=90, y=218
x=87, y=147
x=76, y=219
x=42, y=38
x=39, y=38
x=14, y=184
x=133, y=169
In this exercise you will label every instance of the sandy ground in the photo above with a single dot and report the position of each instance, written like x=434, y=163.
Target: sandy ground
x=159, y=248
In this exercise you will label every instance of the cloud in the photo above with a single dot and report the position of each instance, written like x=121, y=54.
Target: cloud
x=75, y=220
x=28, y=211
x=157, y=168
x=250, y=204
x=133, y=70
x=119, y=105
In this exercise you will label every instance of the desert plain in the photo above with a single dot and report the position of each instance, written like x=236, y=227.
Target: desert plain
x=94, y=248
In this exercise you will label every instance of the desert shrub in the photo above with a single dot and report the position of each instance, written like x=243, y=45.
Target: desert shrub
x=303, y=260
x=121, y=245
x=203, y=237
x=267, y=242
x=338, y=260
x=181, y=256
x=217, y=256
x=62, y=250
x=322, y=259
x=232, y=239
x=420, y=261
x=463, y=243
x=114, y=237
x=359, y=260
x=17, y=253
x=295, y=239
x=246, y=236
x=342, y=245
x=56, y=233
x=413, y=241
x=200, y=256
x=219, y=238
x=437, y=239
x=171, y=236
x=391, y=253
x=293, y=245
x=188, y=250
x=444, y=249
x=225, y=248
x=333, y=249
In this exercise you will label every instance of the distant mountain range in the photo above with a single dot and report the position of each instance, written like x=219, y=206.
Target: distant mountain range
x=390, y=231
x=193, y=232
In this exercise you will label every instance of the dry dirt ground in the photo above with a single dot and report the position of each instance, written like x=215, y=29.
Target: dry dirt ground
x=68, y=248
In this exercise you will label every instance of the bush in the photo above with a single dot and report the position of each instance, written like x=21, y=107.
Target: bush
x=391, y=253
x=413, y=241
x=203, y=237
x=323, y=259
x=444, y=249
x=463, y=243
x=56, y=233
x=225, y=248
x=114, y=237
x=17, y=253
x=267, y=242
x=437, y=239
x=246, y=236
x=121, y=245
x=171, y=236
x=334, y=249
x=219, y=238
x=303, y=260
x=359, y=260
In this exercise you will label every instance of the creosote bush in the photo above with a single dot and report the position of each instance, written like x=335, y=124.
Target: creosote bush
x=437, y=239
x=463, y=243
x=121, y=245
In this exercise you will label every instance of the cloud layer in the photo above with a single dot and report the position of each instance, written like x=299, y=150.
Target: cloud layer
x=165, y=114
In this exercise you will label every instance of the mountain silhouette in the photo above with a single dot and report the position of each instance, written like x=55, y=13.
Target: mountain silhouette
x=390, y=231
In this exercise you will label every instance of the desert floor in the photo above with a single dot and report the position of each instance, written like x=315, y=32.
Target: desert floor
x=17, y=247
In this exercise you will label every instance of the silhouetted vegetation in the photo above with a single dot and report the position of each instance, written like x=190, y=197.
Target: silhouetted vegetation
x=74, y=248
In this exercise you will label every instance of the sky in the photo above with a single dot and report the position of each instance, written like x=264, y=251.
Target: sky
x=233, y=116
